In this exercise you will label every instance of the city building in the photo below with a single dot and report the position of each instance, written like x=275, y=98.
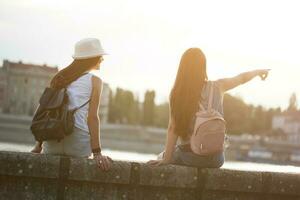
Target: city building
x=21, y=86
x=289, y=123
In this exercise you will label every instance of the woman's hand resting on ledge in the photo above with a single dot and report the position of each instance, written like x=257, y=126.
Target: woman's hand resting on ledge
x=103, y=162
x=158, y=162
x=37, y=148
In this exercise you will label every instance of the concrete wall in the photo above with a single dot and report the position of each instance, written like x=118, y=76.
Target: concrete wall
x=28, y=176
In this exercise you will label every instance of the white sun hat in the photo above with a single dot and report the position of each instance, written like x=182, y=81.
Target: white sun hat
x=88, y=48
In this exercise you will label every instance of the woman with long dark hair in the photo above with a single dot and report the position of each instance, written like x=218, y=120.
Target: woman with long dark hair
x=83, y=86
x=192, y=87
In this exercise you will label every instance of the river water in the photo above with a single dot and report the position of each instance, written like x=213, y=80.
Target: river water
x=139, y=157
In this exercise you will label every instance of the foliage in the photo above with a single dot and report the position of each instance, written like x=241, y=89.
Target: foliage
x=161, y=115
x=123, y=107
x=240, y=117
x=148, y=108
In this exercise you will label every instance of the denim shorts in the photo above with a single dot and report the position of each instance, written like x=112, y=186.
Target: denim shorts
x=184, y=156
x=76, y=144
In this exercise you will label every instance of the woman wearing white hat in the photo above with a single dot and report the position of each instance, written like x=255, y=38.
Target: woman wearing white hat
x=83, y=86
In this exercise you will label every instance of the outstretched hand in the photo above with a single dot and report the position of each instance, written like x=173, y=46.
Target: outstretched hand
x=263, y=73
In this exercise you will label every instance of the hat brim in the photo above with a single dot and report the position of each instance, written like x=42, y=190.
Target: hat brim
x=77, y=57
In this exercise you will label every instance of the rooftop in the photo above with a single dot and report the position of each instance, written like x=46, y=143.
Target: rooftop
x=21, y=65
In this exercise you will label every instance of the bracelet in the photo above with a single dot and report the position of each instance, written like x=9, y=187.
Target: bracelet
x=96, y=150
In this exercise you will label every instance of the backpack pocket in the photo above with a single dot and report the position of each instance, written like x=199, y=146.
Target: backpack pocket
x=47, y=129
x=209, y=137
x=68, y=120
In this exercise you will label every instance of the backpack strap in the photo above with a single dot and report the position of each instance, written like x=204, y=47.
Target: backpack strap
x=210, y=98
x=75, y=109
x=201, y=106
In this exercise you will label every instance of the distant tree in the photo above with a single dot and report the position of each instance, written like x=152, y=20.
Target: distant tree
x=293, y=103
x=162, y=115
x=137, y=111
x=148, y=108
x=237, y=114
x=245, y=118
x=123, y=107
x=118, y=101
x=111, y=108
x=128, y=107
x=240, y=117
x=259, y=119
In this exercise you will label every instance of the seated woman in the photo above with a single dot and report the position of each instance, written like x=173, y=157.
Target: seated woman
x=192, y=87
x=84, y=88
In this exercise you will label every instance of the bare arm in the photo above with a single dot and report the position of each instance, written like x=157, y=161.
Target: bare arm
x=230, y=83
x=170, y=142
x=169, y=147
x=93, y=122
x=93, y=117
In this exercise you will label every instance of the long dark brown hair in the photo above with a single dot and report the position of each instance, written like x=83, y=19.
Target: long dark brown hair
x=67, y=75
x=186, y=92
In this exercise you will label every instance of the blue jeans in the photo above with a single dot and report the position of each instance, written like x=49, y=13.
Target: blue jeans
x=76, y=144
x=183, y=156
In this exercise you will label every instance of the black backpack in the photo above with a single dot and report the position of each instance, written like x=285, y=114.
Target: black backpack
x=52, y=119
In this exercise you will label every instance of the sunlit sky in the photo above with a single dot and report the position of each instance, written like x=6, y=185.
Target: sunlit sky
x=145, y=40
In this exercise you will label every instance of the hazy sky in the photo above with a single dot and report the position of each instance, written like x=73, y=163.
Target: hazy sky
x=146, y=39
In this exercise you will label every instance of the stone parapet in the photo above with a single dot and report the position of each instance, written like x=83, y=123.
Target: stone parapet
x=31, y=176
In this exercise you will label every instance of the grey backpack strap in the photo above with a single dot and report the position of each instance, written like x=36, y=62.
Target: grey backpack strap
x=75, y=109
x=210, y=98
x=201, y=106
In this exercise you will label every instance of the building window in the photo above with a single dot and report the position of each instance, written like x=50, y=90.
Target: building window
x=26, y=80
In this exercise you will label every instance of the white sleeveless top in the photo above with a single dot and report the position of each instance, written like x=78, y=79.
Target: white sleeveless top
x=79, y=92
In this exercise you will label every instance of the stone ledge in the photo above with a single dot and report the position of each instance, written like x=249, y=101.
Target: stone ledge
x=284, y=183
x=55, y=177
x=87, y=170
x=28, y=164
x=229, y=180
x=186, y=177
